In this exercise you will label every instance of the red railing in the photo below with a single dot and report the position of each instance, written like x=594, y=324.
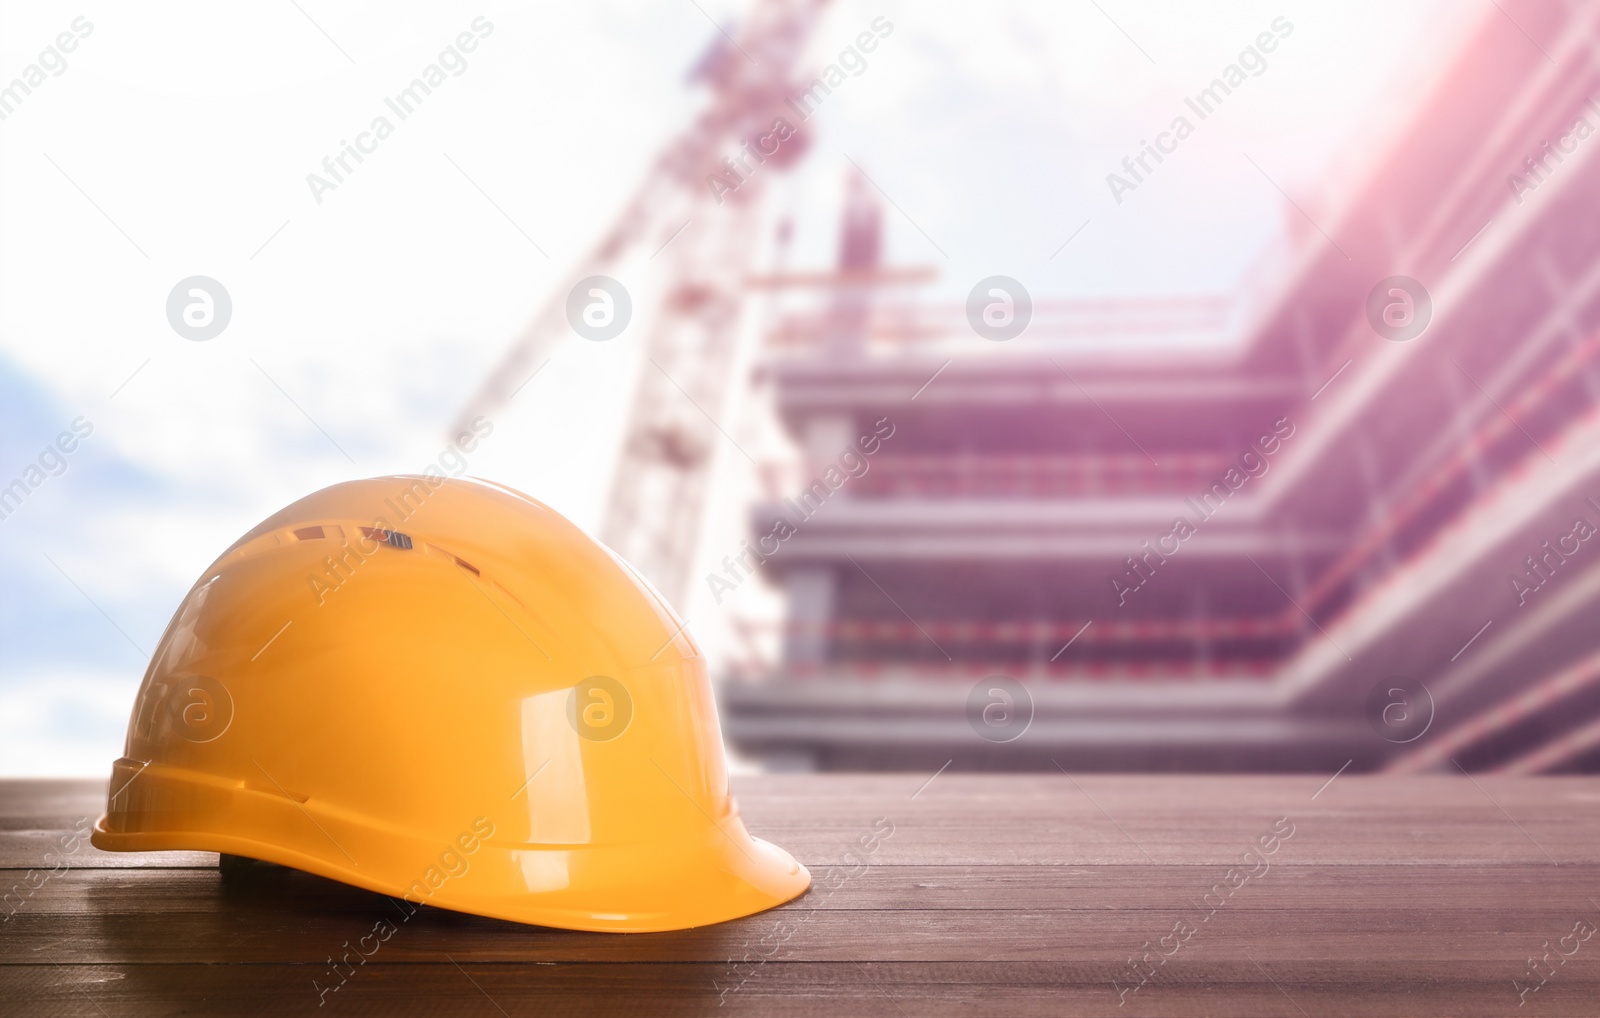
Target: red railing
x=1023, y=475
x=1017, y=632
x=1093, y=671
x=902, y=323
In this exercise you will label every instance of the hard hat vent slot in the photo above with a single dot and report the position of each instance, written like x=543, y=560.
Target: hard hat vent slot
x=393, y=538
x=434, y=549
x=309, y=533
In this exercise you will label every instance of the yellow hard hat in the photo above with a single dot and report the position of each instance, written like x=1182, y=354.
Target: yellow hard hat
x=441, y=689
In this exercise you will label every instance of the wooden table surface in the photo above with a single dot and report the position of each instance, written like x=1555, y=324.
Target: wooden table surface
x=972, y=894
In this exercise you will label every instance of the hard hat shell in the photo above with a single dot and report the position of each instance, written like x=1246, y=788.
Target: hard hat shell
x=441, y=689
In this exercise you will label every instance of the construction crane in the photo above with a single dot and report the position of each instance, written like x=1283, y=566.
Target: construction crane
x=709, y=233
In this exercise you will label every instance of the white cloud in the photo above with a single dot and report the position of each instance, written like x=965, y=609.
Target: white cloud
x=65, y=722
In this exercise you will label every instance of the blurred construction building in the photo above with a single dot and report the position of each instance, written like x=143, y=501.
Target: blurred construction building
x=1386, y=566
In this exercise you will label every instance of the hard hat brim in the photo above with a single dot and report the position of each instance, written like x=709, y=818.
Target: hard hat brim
x=643, y=888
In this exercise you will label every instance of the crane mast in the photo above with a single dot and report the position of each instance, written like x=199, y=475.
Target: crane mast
x=708, y=235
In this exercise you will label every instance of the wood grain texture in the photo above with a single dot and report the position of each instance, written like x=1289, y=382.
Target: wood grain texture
x=995, y=894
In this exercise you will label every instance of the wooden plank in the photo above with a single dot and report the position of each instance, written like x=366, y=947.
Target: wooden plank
x=24, y=849
x=1304, y=940
x=50, y=802
x=923, y=913
x=868, y=989
x=995, y=894
x=1045, y=820
x=1517, y=887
